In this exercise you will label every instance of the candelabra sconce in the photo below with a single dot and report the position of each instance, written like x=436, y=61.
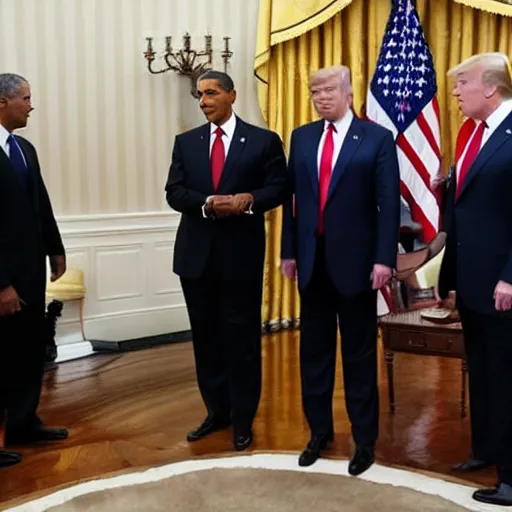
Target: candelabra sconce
x=187, y=62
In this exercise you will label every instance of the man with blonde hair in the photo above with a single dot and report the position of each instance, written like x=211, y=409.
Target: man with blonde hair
x=340, y=239
x=478, y=259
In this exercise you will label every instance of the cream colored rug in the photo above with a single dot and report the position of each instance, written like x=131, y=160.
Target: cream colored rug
x=262, y=483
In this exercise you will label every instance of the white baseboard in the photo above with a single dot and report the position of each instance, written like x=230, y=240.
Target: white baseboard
x=127, y=264
x=72, y=351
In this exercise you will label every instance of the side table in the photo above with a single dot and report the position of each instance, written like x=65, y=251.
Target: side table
x=408, y=332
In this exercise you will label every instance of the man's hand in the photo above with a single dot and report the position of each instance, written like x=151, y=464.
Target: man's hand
x=436, y=181
x=289, y=269
x=220, y=206
x=242, y=202
x=58, y=266
x=9, y=301
x=380, y=276
x=229, y=205
x=503, y=296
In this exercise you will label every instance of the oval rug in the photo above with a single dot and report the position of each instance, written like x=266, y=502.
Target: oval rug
x=261, y=483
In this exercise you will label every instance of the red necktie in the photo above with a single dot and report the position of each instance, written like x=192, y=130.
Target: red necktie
x=325, y=173
x=217, y=158
x=469, y=158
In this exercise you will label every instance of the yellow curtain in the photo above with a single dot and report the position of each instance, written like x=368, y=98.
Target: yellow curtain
x=353, y=37
x=503, y=7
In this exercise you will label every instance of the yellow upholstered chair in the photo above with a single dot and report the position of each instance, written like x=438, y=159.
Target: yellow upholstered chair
x=70, y=287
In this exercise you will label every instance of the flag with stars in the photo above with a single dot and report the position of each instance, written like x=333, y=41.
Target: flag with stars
x=402, y=96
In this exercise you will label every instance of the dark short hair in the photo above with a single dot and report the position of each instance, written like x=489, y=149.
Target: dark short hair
x=10, y=84
x=224, y=79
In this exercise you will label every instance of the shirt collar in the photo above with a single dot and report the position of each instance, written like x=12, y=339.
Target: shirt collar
x=342, y=124
x=4, y=134
x=499, y=115
x=228, y=127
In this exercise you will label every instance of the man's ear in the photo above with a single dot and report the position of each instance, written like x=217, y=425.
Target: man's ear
x=233, y=96
x=490, y=91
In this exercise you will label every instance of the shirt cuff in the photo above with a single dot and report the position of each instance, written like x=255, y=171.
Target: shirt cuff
x=203, y=208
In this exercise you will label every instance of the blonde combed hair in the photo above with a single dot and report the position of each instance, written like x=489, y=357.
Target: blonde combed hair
x=341, y=72
x=496, y=70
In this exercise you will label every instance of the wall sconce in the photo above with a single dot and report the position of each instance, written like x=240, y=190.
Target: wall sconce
x=184, y=61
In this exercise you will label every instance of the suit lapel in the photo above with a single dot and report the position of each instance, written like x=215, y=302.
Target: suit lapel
x=502, y=134
x=32, y=170
x=350, y=144
x=203, y=154
x=311, y=150
x=238, y=144
x=7, y=167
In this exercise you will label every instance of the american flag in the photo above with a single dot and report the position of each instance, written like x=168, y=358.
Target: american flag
x=402, y=97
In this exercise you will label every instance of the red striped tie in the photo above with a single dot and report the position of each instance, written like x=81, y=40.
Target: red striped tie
x=217, y=158
x=325, y=173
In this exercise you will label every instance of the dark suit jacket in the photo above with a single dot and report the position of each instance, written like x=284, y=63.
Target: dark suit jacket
x=362, y=213
x=28, y=230
x=234, y=247
x=478, y=252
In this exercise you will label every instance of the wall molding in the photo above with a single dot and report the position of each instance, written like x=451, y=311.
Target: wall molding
x=127, y=264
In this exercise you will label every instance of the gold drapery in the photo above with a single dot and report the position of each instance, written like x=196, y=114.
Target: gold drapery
x=353, y=37
x=503, y=7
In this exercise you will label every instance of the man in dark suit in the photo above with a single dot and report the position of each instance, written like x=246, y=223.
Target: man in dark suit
x=28, y=234
x=340, y=237
x=224, y=176
x=478, y=260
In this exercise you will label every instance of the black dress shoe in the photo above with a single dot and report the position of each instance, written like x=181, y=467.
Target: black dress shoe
x=312, y=451
x=9, y=459
x=471, y=465
x=500, y=495
x=36, y=435
x=242, y=440
x=362, y=460
x=209, y=426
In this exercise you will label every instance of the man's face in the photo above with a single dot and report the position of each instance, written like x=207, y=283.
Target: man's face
x=330, y=100
x=215, y=102
x=14, y=111
x=471, y=93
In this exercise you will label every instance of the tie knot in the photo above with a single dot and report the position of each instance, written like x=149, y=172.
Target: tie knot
x=331, y=128
x=219, y=131
x=10, y=139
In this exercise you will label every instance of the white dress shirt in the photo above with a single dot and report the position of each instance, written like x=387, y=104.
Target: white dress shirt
x=493, y=122
x=229, y=130
x=342, y=126
x=4, y=135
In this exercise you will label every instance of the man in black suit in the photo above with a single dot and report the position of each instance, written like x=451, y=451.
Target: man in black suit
x=28, y=234
x=340, y=238
x=477, y=263
x=224, y=176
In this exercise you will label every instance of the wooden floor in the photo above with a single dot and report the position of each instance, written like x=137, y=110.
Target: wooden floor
x=134, y=410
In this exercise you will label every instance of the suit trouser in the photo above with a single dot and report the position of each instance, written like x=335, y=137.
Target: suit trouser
x=225, y=317
x=488, y=345
x=22, y=355
x=322, y=307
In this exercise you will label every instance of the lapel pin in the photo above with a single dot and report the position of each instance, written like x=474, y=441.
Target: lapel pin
x=356, y=137
x=509, y=131
x=242, y=139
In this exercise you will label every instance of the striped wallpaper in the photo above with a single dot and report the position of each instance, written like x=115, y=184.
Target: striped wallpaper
x=103, y=125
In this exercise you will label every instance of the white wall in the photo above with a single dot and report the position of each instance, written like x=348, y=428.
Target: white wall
x=104, y=128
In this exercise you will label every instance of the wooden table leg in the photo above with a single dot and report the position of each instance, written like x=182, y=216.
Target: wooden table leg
x=390, y=357
x=464, y=369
